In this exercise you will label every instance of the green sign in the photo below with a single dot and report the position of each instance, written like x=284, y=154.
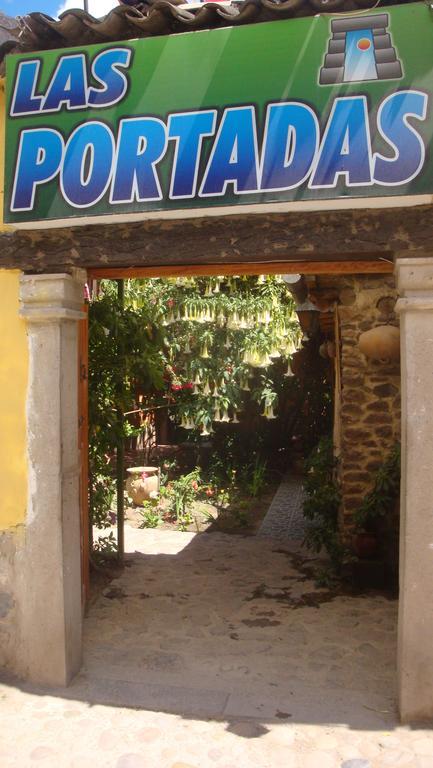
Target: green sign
x=313, y=113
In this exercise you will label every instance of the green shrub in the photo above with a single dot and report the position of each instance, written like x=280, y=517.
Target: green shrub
x=322, y=502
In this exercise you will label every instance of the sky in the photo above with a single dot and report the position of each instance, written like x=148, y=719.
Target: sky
x=54, y=7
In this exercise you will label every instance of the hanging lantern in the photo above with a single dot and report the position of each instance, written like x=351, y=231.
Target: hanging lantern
x=308, y=315
x=204, y=432
x=235, y=419
x=204, y=352
x=215, y=392
x=187, y=348
x=207, y=389
x=225, y=417
x=217, y=414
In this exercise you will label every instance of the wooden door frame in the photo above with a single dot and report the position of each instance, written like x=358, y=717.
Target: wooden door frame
x=356, y=267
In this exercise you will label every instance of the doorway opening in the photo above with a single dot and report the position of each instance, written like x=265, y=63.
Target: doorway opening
x=224, y=599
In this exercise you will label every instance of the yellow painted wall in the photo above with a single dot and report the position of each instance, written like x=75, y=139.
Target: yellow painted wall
x=13, y=393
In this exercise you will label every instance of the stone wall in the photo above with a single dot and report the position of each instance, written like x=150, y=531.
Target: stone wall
x=370, y=390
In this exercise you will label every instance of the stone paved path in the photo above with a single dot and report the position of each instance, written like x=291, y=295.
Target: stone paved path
x=216, y=651
x=284, y=518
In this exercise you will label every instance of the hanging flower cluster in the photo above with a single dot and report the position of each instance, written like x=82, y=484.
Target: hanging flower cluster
x=221, y=335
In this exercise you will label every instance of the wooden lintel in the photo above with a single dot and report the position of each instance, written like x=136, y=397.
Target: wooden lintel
x=384, y=266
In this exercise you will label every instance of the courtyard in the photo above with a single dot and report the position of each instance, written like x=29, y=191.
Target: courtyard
x=221, y=650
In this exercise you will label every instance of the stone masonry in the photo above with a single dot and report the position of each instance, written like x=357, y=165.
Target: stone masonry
x=370, y=390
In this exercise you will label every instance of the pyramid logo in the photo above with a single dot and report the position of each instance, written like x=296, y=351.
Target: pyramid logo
x=360, y=49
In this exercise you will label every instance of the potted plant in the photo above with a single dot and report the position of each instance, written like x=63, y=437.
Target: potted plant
x=377, y=504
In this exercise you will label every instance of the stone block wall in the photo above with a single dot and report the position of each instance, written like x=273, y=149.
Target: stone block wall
x=370, y=390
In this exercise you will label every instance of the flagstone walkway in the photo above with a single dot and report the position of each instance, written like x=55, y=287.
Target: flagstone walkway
x=284, y=518
x=218, y=651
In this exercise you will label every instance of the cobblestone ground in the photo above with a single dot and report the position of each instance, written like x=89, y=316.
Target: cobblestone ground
x=218, y=651
x=284, y=518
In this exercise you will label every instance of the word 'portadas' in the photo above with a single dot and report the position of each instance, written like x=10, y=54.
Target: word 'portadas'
x=209, y=154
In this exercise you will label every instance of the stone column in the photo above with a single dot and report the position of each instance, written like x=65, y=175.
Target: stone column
x=415, y=631
x=49, y=574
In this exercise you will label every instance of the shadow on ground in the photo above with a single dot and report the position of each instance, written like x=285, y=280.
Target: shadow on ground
x=234, y=629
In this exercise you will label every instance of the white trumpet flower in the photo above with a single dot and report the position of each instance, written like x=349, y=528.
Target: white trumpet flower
x=269, y=412
x=289, y=371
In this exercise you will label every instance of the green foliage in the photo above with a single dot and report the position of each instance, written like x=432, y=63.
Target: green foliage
x=124, y=347
x=386, y=487
x=105, y=545
x=253, y=476
x=180, y=494
x=322, y=501
x=215, y=352
x=150, y=514
x=226, y=341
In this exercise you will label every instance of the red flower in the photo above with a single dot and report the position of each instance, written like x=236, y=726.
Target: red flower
x=209, y=492
x=170, y=303
x=195, y=485
x=188, y=385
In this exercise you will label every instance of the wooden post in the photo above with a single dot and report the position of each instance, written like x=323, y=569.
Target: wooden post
x=120, y=453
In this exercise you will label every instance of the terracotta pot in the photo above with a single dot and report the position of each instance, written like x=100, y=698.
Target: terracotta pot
x=365, y=545
x=141, y=483
x=381, y=343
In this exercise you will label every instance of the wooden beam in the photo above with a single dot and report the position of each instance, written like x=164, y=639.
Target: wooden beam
x=261, y=268
x=310, y=237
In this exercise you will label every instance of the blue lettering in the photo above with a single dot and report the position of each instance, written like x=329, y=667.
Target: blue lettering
x=234, y=155
x=88, y=164
x=68, y=85
x=188, y=130
x=290, y=145
x=39, y=159
x=141, y=144
x=345, y=147
x=105, y=69
x=408, y=146
x=24, y=100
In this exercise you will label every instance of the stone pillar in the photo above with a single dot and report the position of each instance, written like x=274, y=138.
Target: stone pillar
x=415, y=631
x=49, y=572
